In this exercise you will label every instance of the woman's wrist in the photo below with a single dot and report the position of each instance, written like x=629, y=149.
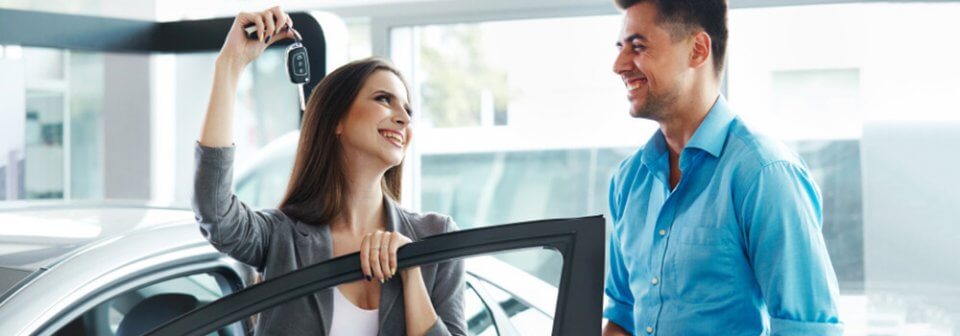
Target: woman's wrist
x=230, y=65
x=410, y=273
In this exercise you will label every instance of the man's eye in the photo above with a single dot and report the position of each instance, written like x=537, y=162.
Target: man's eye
x=639, y=48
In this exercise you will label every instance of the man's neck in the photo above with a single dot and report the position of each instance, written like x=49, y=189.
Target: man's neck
x=686, y=119
x=679, y=128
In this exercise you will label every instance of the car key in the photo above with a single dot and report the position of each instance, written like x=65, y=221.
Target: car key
x=298, y=66
x=297, y=61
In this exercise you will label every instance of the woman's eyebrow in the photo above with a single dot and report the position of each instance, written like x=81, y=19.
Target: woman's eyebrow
x=406, y=105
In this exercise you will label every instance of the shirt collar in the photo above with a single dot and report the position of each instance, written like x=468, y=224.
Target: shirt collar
x=712, y=133
x=709, y=137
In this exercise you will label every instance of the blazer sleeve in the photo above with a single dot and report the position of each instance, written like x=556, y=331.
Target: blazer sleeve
x=229, y=224
x=447, y=296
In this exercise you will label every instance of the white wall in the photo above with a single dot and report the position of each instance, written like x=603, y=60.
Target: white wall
x=12, y=105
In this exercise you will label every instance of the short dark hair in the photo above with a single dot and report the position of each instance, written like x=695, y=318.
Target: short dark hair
x=685, y=16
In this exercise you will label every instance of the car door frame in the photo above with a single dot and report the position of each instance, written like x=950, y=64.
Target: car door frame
x=579, y=303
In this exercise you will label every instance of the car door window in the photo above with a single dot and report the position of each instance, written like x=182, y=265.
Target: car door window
x=479, y=318
x=139, y=310
x=523, y=317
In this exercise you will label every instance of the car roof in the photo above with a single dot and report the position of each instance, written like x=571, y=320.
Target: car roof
x=35, y=235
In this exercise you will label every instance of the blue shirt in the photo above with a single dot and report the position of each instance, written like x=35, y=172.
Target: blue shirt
x=734, y=249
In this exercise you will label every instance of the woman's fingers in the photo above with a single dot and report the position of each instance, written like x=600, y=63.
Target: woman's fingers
x=375, y=247
x=281, y=19
x=378, y=254
x=385, y=254
x=258, y=21
x=365, y=255
x=394, y=246
x=270, y=25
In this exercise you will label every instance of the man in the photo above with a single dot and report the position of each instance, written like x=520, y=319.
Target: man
x=716, y=230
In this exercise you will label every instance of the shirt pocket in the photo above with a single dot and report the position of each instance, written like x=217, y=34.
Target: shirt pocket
x=702, y=266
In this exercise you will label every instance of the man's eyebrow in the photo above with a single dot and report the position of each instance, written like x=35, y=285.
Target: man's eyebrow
x=631, y=38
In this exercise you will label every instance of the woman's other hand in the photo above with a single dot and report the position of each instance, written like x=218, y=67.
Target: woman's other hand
x=272, y=25
x=378, y=254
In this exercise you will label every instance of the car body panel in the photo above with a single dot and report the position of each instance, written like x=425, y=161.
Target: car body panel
x=114, y=248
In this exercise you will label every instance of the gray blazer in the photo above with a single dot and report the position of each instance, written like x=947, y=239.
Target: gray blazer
x=276, y=244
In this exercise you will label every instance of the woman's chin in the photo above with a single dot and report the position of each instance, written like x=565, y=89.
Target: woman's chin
x=392, y=160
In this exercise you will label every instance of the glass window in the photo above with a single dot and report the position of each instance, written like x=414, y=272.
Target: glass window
x=53, y=149
x=145, y=308
x=501, y=108
x=523, y=317
x=479, y=319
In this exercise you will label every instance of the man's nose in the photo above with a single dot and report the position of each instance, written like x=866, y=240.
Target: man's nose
x=621, y=63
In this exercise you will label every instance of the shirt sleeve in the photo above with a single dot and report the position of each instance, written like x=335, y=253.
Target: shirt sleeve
x=619, y=308
x=782, y=221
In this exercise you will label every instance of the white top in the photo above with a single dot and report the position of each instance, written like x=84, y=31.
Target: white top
x=350, y=320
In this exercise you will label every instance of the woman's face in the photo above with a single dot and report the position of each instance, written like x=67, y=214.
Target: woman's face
x=377, y=127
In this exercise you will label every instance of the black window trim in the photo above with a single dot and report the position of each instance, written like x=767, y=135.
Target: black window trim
x=580, y=295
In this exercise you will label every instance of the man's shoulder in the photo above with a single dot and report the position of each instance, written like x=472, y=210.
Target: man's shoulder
x=629, y=165
x=752, y=149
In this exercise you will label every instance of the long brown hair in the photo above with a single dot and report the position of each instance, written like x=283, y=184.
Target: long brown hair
x=317, y=190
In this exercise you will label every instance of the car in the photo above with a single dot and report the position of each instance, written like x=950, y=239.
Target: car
x=123, y=268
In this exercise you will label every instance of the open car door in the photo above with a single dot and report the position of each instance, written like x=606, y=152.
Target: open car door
x=580, y=241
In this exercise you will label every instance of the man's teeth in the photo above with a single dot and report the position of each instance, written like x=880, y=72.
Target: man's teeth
x=635, y=85
x=393, y=136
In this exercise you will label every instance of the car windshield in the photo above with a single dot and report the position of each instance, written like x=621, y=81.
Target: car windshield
x=9, y=277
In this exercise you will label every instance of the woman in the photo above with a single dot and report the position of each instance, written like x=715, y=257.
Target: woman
x=341, y=199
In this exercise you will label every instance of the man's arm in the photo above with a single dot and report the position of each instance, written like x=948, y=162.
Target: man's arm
x=781, y=216
x=619, y=310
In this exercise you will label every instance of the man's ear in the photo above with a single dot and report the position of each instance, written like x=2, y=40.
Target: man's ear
x=700, y=53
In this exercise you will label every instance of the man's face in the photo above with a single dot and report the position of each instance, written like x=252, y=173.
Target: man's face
x=652, y=66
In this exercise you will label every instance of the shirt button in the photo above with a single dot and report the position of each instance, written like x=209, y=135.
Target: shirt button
x=655, y=281
x=649, y=330
x=663, y=232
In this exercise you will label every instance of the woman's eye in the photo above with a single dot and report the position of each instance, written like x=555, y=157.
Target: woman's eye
x=383, y=98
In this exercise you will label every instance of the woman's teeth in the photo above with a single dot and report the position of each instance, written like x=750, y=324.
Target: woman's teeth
x=393, y=136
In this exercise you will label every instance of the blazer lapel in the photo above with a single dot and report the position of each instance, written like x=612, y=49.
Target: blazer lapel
x=309, y=254
x=390, y=292
x=325, y=297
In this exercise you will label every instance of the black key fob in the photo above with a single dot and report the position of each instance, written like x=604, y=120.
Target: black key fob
x=298, y=64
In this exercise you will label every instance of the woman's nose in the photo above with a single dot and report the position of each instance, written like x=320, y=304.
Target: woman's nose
x=401, y=117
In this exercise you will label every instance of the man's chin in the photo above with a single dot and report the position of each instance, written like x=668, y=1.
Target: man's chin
x=641, y=112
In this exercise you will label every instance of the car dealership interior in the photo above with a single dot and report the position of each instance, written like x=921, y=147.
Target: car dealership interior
x=514, y=135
